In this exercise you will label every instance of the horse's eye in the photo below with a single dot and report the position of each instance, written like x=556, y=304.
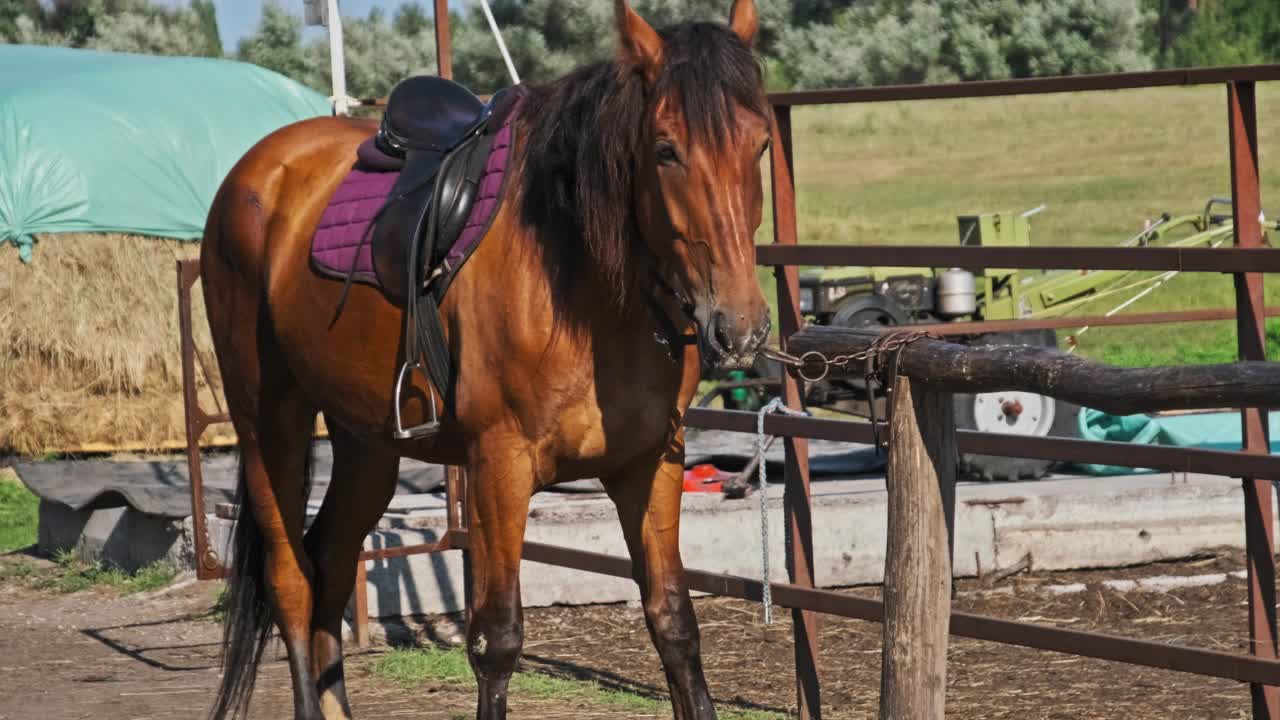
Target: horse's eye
x=667, y=154
x=764, y=148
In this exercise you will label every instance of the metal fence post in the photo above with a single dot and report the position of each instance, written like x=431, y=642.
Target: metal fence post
x=796, y=497
x=444, y=45
x=1251, y=336
x=208, y=564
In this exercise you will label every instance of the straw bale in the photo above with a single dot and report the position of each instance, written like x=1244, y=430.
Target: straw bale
x=89, y=346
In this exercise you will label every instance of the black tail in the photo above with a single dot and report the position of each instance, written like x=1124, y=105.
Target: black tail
x=247, y=626
x=249, y=615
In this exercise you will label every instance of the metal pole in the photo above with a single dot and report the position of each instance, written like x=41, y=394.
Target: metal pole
x=337, y=62
x=1259, y=527
x=797, y=504
x=502, y=45
x=444, y=48
x=360, y=606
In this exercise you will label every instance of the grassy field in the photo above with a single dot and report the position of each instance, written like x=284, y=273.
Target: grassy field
x=1102, y=162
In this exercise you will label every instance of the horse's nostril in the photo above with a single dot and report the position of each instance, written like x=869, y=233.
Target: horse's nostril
x=722, y=336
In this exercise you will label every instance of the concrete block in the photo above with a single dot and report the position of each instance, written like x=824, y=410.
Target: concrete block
x=118, y=536
x=1080, y=523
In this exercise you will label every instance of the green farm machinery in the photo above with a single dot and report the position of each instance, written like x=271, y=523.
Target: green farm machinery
x=894, y=296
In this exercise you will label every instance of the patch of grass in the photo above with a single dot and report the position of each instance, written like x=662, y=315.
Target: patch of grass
x=218, y=611
x=70, y=575
x=18, y=513
x=1212, y=343
x=412, y=667
x=450, y=665
x=21, y=570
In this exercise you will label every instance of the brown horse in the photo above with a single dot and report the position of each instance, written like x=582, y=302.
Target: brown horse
x=633, y=174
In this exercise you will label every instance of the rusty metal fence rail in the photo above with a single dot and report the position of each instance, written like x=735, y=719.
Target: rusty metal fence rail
x=1246, y=261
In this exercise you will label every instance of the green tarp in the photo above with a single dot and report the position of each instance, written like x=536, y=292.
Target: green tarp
x=112, y=142
x=1208, y=430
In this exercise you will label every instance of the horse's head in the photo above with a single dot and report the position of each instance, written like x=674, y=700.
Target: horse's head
x=698, y=194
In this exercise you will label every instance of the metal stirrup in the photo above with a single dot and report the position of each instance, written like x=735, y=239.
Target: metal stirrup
x=401, y=432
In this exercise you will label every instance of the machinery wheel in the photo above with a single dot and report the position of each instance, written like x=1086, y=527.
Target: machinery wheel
x=1015, y=413
x=869, y=309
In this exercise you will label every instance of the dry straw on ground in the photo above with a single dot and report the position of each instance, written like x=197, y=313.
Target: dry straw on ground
x=89, y=345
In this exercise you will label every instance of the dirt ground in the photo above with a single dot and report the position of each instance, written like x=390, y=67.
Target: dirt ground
x=97, y=655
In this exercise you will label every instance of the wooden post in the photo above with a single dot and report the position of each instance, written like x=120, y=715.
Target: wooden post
x=917, y=573
x=444, y=41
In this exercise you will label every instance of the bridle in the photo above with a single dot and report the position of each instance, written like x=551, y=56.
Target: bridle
x=669, y=335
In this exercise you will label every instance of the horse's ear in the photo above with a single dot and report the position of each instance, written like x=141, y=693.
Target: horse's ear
x=744, y=21
x=641, y=45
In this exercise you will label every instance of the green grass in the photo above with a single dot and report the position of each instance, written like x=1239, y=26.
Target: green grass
x=1103, y=162
x=414, y=667
x=70, y=575
x=218, y=611
x=17, y=515
x=18, y=525
x=1210, y=343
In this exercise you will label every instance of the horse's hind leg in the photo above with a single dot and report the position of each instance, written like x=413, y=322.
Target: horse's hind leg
x=363, y=481
x=275, y=448
x=501, y=477
x=647, y=496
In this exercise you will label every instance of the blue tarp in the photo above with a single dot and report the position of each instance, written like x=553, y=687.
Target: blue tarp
x=113, y=142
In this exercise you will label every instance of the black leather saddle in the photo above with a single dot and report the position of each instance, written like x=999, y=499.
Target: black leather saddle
x=427, y=113
x=441, y=130
x=437, y=126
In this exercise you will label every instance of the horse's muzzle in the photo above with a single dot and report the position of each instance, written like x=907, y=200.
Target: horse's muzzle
x=729, y=341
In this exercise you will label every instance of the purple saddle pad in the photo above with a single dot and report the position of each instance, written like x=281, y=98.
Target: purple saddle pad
x=336, y=247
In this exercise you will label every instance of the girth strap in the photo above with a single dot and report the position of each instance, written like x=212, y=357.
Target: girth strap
x=424, y=334
x=439, y=361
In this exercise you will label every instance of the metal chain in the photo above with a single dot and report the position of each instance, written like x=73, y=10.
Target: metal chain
x=774, y=405
x=888, y=343
x=885, y=344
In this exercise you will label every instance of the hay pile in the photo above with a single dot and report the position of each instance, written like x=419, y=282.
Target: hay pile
x=89, y=346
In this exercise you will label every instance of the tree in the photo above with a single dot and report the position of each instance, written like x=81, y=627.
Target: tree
x=277, y=45
x=1229, y=32
x=912, y=41
x=548, y=38
x=376, y=54
x=118, y=25
x=204, y=10
x=140, y=27
x=412, y=19
x=11, y=10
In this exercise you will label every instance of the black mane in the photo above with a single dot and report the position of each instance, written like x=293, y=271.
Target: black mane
x=582, y=134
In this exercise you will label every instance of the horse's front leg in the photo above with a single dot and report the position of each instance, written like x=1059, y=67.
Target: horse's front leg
x=501, y=476
x=647, y=495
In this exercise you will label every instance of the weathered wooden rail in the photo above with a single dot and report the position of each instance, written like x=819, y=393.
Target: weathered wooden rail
x=922, y=463
x=1121, y=391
